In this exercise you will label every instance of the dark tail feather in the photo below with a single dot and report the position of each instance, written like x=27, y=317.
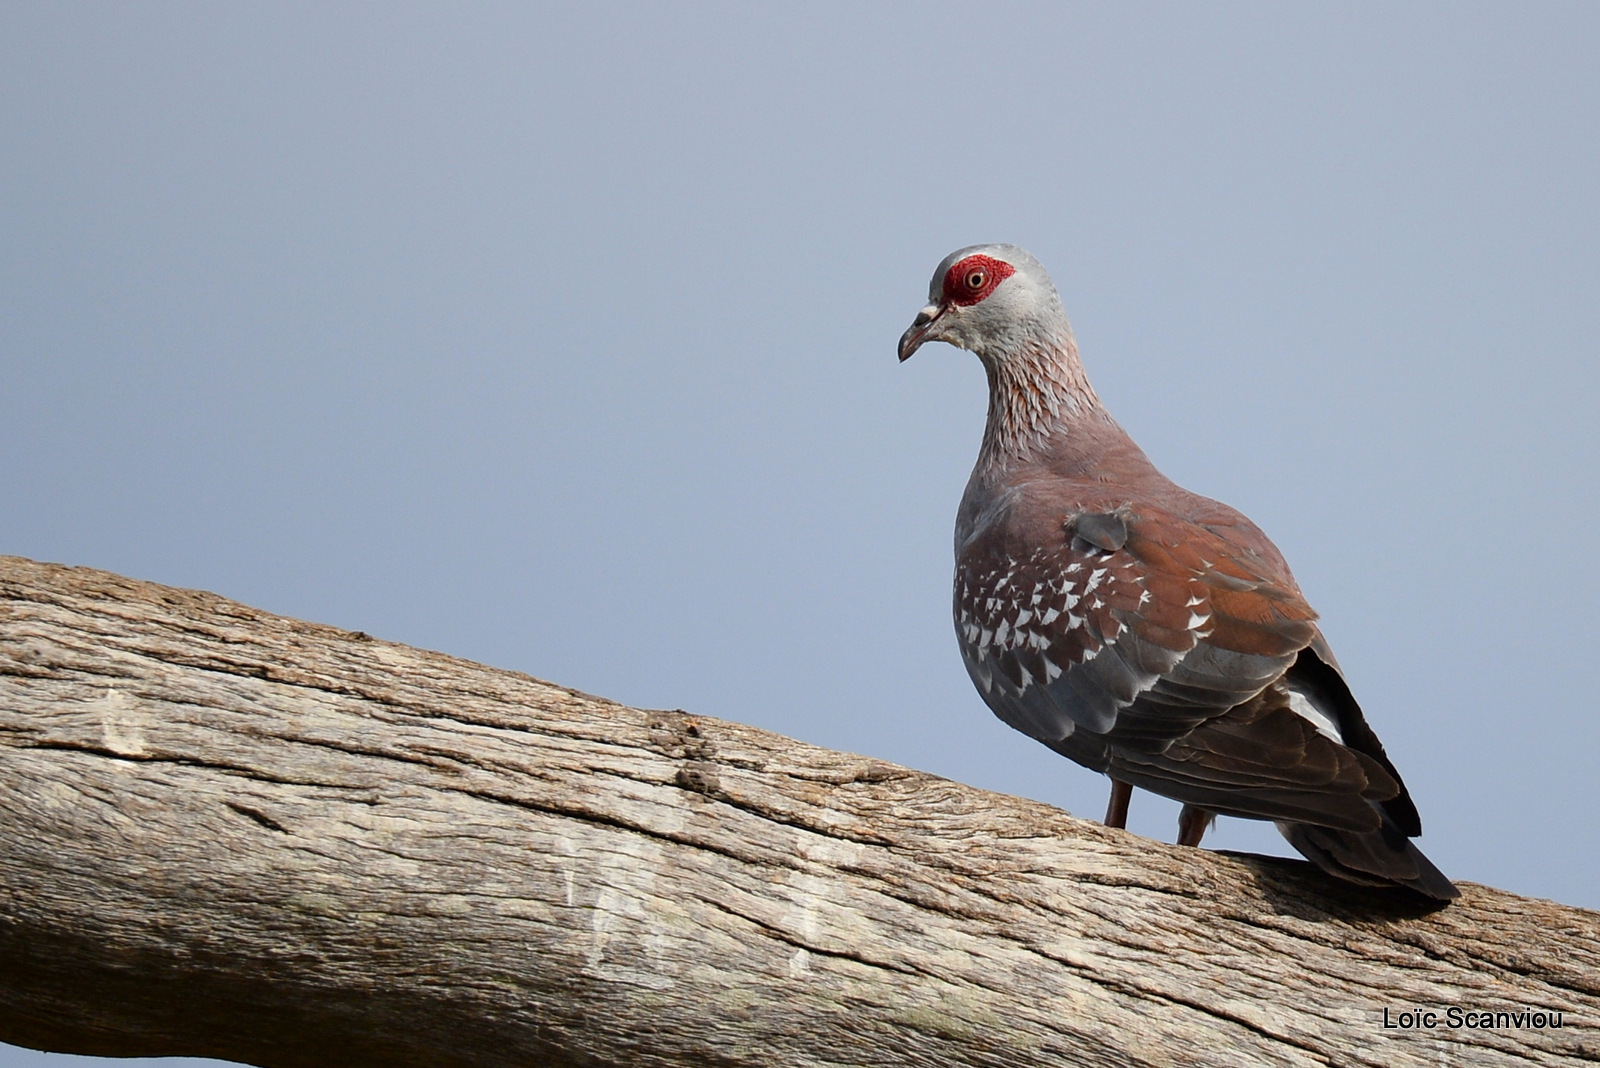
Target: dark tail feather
x=1384, y=857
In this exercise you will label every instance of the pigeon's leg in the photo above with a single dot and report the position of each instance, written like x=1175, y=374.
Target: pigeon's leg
x=1192, y=824
x=1117, y=809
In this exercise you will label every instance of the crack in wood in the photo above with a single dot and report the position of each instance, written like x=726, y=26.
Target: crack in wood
x=258, y=816
x=790, y=939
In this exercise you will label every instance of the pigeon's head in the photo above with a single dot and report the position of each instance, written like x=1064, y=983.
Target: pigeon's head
x=989, y=299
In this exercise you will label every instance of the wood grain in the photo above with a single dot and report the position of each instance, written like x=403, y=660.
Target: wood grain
x=226, y=833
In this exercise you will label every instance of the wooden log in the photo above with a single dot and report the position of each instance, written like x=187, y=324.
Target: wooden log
x=225, y=833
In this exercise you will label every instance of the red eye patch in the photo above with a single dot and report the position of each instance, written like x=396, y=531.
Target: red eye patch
x=974, y=278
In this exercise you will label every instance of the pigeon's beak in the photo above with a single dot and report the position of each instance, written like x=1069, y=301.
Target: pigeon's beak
x=921, y=326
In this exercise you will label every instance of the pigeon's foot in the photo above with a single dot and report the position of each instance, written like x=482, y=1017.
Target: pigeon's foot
x=1117, y=809
x=1192, y=824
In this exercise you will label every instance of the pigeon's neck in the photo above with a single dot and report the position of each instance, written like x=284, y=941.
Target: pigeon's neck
x=1039, y=402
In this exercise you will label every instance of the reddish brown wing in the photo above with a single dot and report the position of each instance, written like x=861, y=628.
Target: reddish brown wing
x=1134, y=624
x=1261, y=759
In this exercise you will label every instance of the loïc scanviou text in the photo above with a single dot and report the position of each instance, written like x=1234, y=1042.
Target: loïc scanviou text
x=1456, y=1017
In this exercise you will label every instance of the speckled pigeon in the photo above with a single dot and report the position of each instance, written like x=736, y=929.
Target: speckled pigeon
x=1135, y=627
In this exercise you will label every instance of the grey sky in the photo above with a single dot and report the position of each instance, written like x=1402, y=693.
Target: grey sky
x=563, y=338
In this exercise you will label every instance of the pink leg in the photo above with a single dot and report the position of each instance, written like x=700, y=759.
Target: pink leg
x=1192, y=824
x=1117, y=810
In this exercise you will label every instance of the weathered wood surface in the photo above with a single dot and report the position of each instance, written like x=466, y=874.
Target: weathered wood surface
x=230, y=834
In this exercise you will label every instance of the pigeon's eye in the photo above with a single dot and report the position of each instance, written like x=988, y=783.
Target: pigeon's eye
x=974, y=278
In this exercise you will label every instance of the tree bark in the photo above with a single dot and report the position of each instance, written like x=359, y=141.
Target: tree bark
x=225, y=833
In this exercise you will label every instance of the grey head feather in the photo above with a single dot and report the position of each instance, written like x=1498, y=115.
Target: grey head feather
x=1024, y=309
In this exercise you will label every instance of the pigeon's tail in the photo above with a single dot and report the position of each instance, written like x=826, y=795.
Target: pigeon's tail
x=1385, y=857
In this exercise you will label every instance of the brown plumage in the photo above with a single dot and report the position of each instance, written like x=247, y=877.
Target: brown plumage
x=1135, y=627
